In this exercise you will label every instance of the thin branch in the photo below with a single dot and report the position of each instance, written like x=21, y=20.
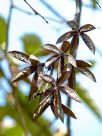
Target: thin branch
x=90, y=6
x=72, y=78
x=29, y=13
x=98, y=4
x=8, y=25
x=21, y=10
x=55, y=20
x=53, y=10
x=36, y=13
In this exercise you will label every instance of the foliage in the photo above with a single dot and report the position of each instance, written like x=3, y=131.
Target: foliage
x=65, y=68
x=46, y=88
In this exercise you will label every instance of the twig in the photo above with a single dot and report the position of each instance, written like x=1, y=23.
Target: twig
x=29, y=13
x=90, y=6
x=21, y=10
x=98, y=4
x=36, y=13
x=55, y=20
x=8, y=25
x=53, y=10
x=72, y=78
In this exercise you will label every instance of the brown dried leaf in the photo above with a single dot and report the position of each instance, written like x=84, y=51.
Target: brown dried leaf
x=39, y=72
x=74, y=45
x=88, y=42
x=73, y=24
x=67, y=67
x=34, y=88
x=59, y=69
x=53, y=109
x=68, y=111
x=20, y=56
x=39, y=69
x=66, y=36
x=42, y=107
x=33, y=59
x=72, y=79
x=54, y=105
x=87, y=73
x=50, y=91
x=64, y=76
x=71, y=60
x=23, y=73
x=82, y=64
x=57, y=107
x=65, y=46
x=60, y=109
x=48, y=79
x=51, y=60
x=51, y=48
x=70, y=92
x=86, y=28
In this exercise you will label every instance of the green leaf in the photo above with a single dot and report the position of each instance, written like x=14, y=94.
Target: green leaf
x=32, y=43
x=1, y=73
x=3, y=27
x=13, y=131
x=26, y=113
x=84, y=95
x=28, y=109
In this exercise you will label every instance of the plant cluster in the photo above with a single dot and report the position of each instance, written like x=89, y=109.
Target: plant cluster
x=48, y=86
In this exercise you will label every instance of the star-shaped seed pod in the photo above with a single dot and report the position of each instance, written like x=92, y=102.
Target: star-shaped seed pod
x=57, y=86
x=59, y=54
x=52, y=96
x=75, y=33
x=35, y=67
x=54, y=92
x=47, y=101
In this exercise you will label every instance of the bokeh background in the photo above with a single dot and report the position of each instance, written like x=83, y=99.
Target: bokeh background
x=27, y=33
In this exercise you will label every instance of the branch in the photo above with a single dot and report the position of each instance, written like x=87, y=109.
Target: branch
x=98, y=4
x=29, y=13
x=21, y=10
x=36, y=13
x=53, y=10
x=8, y=25
x=72, y=78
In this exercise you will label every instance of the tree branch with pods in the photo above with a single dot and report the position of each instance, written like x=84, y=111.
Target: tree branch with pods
x=64, y=61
